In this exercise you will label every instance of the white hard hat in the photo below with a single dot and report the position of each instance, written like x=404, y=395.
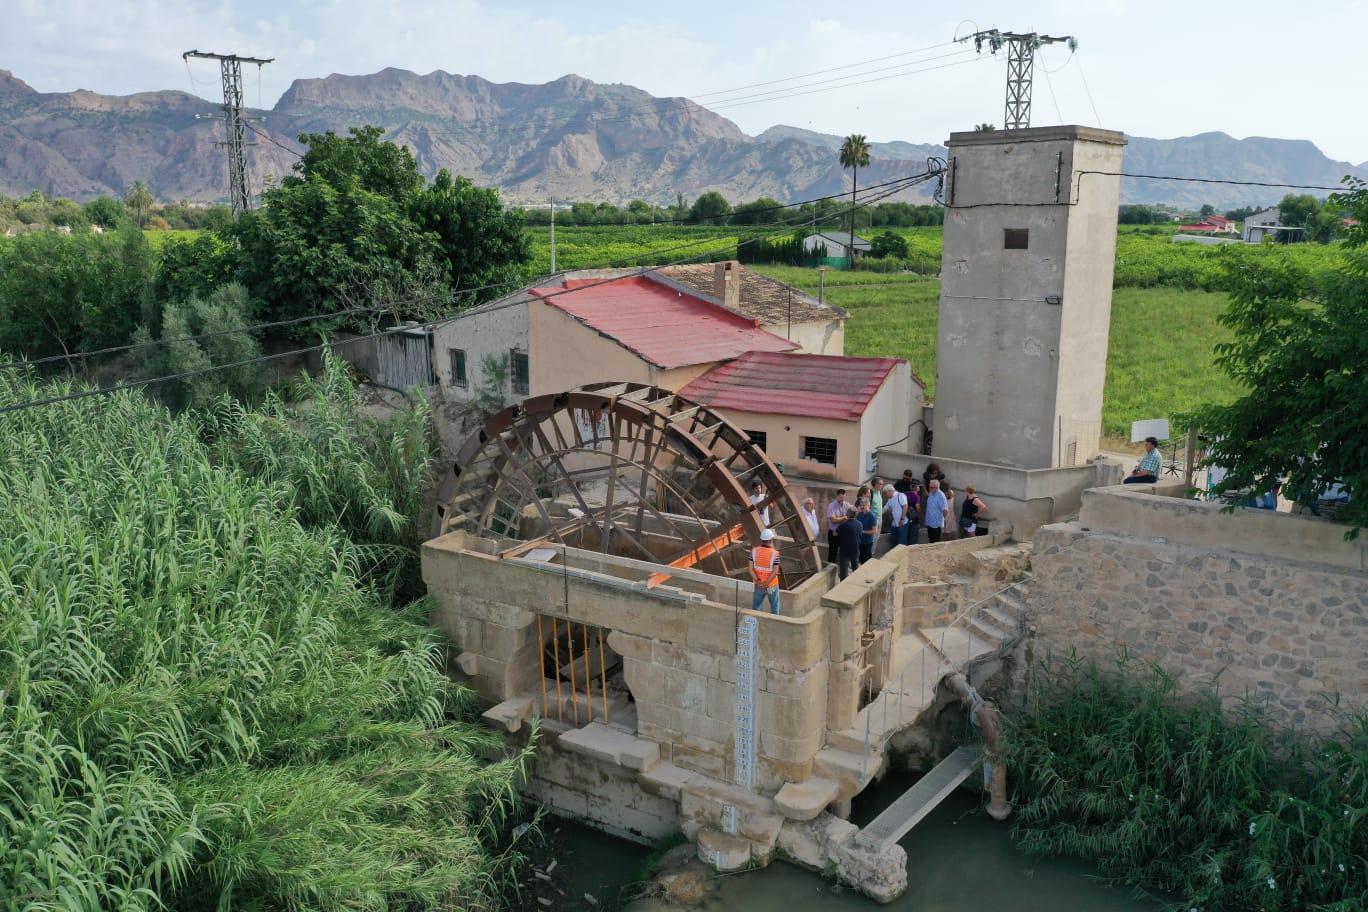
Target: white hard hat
x=767, y=535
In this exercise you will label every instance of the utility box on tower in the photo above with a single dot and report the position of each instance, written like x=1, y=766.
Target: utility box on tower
x=1026, y=286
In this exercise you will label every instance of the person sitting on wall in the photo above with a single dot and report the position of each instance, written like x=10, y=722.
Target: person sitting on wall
x=764, y=571
x=848, y=536
x=1146, y=471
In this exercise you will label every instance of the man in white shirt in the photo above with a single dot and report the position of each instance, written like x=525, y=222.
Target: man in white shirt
x=810, y=517
x=757, y=494
x=895, y=502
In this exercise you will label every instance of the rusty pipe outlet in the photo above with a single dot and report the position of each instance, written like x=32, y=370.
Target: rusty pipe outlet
x=988, y=721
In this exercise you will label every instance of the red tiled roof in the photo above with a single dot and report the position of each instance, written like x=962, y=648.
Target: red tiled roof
x=659, y=324
x=775, y=383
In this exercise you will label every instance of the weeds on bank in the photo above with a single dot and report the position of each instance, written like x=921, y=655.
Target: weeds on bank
x=1218, y=808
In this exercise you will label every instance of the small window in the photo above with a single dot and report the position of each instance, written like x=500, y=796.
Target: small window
x=519, y=371
x=458, y=366
x=759, y=439
x=820, y=449
x=1016, y=238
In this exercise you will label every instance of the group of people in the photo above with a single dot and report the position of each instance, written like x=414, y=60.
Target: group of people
x=854, y=530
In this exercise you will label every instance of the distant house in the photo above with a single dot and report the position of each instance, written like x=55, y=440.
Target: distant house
x=817, y=415
x=1261, y=224
x=1213, y=224
x=837, y=244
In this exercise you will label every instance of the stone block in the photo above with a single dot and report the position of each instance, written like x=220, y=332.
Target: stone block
x=712, y=629
x=645, y=680
x=722, y=852
x=707, y=757
x=788, y=718
x=510, y=714
x=667, y=655
x=792, y=643
x=810, y=685
x=686, y=690
x=706, y=728
x=805, y=800
x=665, y=780
x=721, y=702
x=629, y=646
x=843, y=695
x=790, y=750
x=468, y=663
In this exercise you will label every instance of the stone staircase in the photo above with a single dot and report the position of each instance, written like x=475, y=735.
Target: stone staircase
x=853, y=757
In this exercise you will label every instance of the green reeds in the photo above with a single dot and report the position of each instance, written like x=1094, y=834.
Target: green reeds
x=202, y=703
x=1196, y=797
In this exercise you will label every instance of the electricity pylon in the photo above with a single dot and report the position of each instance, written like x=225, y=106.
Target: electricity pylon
x=234, y=124
x=1021, y=48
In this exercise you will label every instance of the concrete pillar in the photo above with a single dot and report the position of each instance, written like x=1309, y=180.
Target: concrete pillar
x=1025, y=310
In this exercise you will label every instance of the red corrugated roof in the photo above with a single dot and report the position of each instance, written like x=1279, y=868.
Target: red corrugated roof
x=661, y=325
x=775, y=383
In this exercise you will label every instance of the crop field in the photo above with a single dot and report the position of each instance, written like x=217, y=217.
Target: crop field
x=602, y=246
x=1159, y=361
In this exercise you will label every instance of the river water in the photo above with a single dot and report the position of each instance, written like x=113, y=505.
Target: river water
x=958, y=860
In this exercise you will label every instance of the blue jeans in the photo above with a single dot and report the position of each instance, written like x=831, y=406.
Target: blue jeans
x=770, y=592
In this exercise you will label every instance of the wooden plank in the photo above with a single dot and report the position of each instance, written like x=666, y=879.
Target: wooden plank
x=921, y=799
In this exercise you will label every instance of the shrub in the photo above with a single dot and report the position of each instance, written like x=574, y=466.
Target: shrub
x=1176, y=794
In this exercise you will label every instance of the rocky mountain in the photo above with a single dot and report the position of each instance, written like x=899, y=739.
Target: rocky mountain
x=571, y=138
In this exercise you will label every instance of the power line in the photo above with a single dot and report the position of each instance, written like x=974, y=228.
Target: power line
x=896, y=185
x=142, y=384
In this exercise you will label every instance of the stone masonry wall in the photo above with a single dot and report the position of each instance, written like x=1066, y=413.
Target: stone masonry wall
x=1291, y=634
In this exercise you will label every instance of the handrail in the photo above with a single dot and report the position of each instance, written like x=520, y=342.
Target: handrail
x=900, y=677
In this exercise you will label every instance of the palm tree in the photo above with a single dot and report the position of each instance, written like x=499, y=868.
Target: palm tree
x=854, y=155
x=139, y=199
x=984, y=128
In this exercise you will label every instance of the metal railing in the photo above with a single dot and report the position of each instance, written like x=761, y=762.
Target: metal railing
x=920, y=654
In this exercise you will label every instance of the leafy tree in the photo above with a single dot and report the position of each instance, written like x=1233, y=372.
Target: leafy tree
x=358, y=223
x=1206, y=210
x=854, y=155
x=226, y=308
x=1244, y=212
x=139, y=200
x=889, y=244
x=62, y=293
x=760, y=212
x=1300, y=348
x=711, y=208
x=106, y=212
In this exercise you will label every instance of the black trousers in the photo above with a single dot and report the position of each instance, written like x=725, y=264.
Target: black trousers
x=832, y=547
x=933, y=534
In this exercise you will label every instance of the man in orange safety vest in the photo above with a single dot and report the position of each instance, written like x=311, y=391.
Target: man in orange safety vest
x=764, y=571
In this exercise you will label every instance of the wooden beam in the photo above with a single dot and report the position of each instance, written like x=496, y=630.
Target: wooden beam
x=703, y=551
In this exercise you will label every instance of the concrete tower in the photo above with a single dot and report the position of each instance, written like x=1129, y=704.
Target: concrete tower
x=1026, y=285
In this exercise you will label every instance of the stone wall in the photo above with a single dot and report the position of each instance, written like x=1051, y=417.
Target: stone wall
x=1276, y=605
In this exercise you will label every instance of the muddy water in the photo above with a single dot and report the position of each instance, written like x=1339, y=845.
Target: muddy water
x=958, y=860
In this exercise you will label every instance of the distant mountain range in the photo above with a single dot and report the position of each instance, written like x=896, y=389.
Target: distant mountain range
x=571, y=138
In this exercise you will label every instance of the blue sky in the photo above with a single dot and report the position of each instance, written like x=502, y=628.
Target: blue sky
x=1158, y=68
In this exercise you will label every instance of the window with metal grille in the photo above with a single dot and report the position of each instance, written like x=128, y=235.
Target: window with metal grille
x=820, y=449
x=458, y=366
x=759, y=439
x=519, y=372
x=1016, y=238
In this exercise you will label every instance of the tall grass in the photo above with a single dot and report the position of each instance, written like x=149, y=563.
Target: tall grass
x=201, y=705
x=1211, y=806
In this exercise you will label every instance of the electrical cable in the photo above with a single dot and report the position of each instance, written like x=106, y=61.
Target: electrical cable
x=141, y=384
x=897, y=184
x=1086, y=90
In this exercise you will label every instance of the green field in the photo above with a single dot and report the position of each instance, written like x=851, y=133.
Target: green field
x=1159, y=361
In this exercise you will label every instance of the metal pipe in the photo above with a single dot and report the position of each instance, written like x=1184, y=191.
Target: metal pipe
x=603, y=677
x=541, y=660
x=555, y=641
x=988, y=721
x=570, y=649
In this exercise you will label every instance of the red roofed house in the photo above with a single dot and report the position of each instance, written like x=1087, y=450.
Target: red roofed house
x=822, y=416
x=632, y=329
